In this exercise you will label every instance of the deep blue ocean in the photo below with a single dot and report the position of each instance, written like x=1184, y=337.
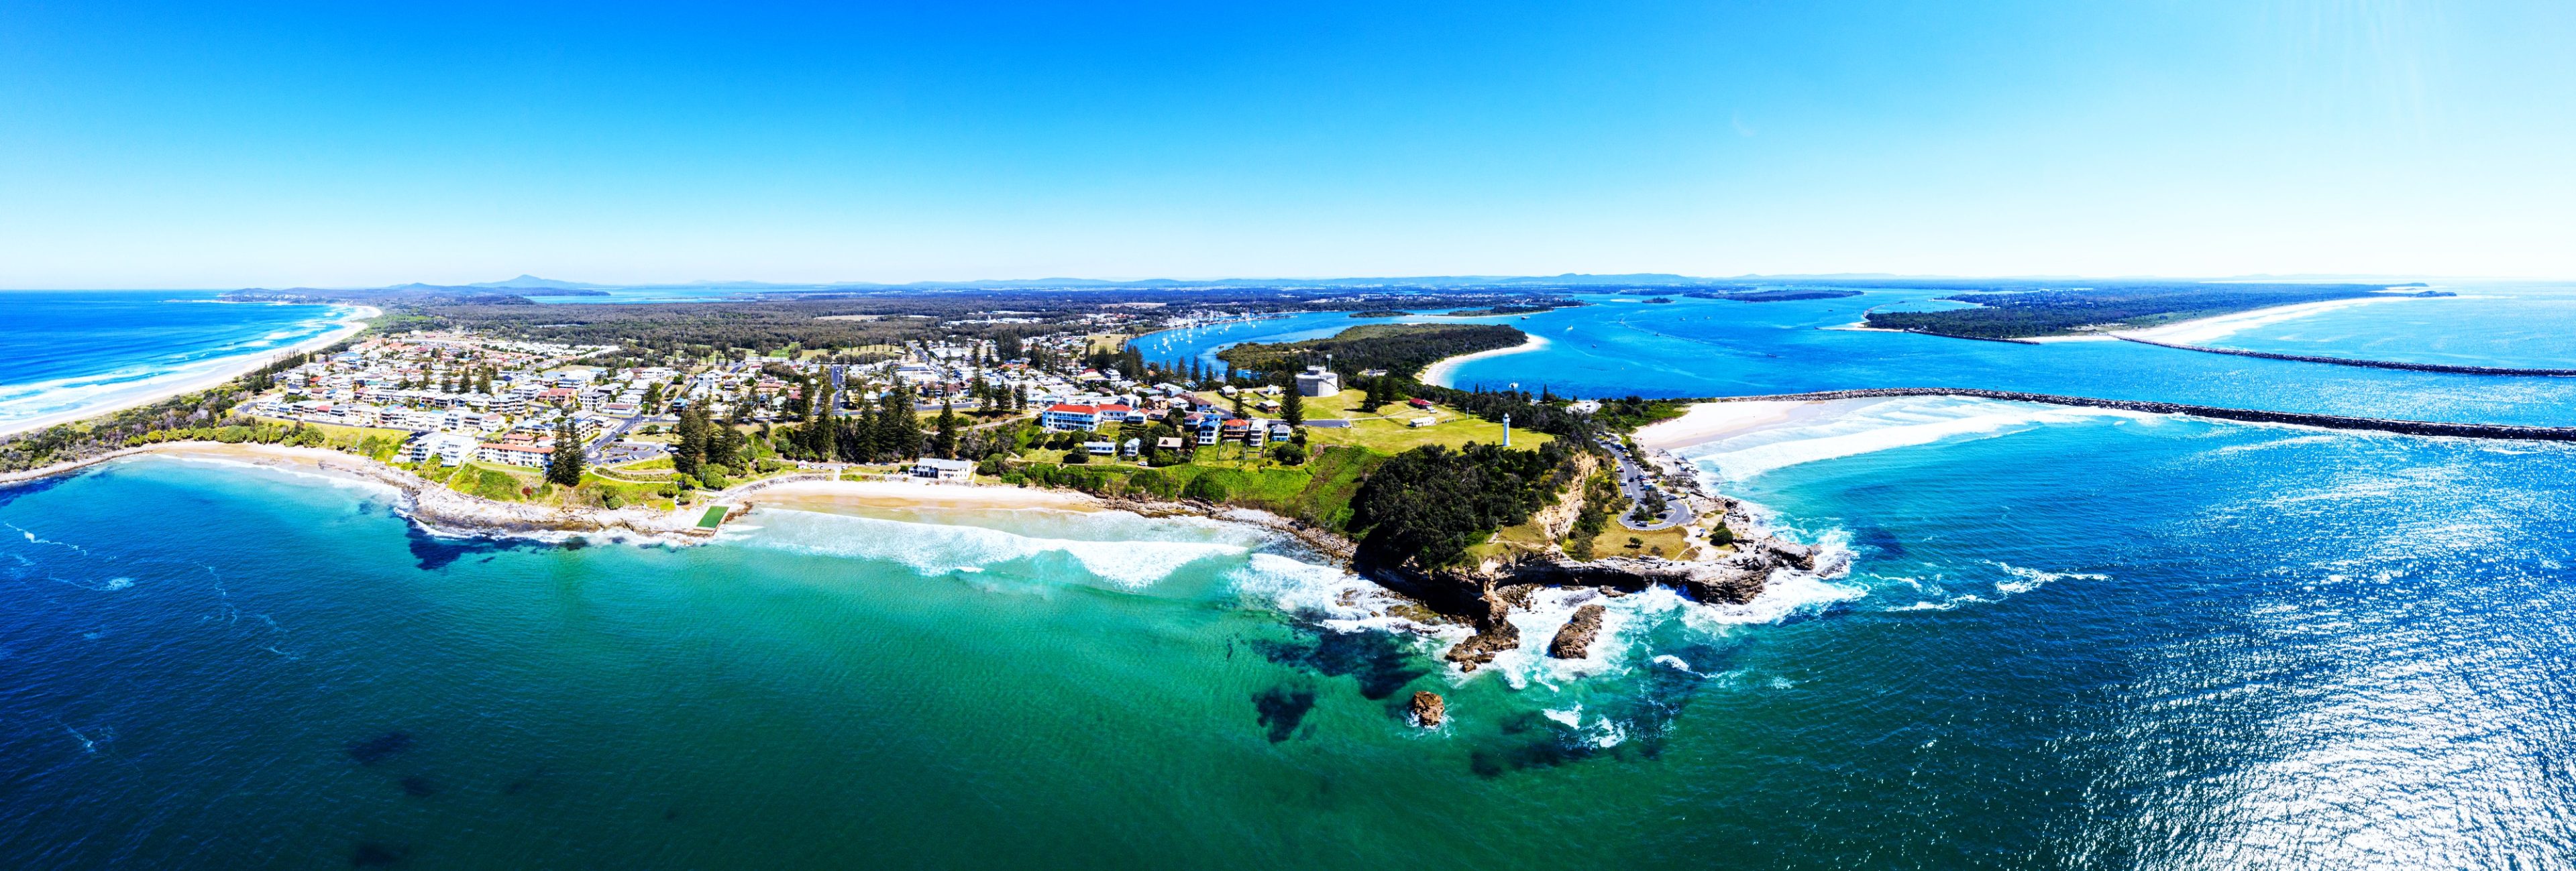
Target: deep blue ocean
x=70, y=350
x=2068, y=638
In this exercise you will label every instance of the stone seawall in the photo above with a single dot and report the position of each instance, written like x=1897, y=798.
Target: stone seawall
x=2367, y=364
x=2323, y=421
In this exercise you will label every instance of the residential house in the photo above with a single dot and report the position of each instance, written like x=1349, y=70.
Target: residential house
x=943, y=470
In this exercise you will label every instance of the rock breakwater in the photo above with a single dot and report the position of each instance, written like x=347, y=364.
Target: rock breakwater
x=2367, y=364
x=2248, y=415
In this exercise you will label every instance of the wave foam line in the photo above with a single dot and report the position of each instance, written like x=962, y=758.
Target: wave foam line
x=1878, y=427
x=937, y=549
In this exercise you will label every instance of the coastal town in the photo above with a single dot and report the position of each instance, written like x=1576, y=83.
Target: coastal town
x=1458, y=502
x=454, y=399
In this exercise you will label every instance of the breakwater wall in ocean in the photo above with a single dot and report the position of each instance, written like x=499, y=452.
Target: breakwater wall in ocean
x=2367, y=364
x=2249, y=415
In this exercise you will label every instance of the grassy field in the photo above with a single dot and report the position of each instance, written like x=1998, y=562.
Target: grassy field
x=492, y=482
x=348, y=438
x=1614, y=542
x=1392, y=431
x=1319, y=490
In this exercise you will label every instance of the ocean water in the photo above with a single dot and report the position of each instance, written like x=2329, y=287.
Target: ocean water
x=2521, y=325
x=67, y=351
x=2066, y=638
x=1623, y=346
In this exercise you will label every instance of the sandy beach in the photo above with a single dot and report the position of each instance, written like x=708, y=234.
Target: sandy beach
x=1438, y=374
x=154, y=390
x=1709, y=421
x=843, y=496
x=2201, y=330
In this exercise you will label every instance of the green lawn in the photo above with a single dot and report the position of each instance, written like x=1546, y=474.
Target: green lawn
x=1394, y=434
x=477, y=479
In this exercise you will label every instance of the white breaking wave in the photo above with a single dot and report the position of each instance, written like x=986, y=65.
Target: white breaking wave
x=2025, y=580
x=1874, y=426
x=938, y=549
x=100, y=390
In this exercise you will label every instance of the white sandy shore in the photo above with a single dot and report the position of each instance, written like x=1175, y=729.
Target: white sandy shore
x=1710, y=421
x=1438, y=374
x=831, y=495
x=156, y=389
x=2202, y=330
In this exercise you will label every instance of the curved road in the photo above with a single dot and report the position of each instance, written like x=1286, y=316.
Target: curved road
x=1633, y=484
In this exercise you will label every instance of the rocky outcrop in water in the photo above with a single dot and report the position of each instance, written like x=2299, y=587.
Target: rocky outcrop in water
x=1574, y=640
x=1427, y=709
x=1481, y=648
x=1485, y=595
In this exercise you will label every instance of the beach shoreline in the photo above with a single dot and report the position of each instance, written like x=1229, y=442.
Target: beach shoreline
x=1706, y=422
x=445, y=511
x=350, y=324
x=2201, y=330
x=1439, y=374
x=839, y=496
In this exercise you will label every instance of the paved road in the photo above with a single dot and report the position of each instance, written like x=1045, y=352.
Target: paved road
x=1633, y=484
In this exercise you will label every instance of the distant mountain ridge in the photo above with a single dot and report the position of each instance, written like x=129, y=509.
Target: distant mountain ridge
x=526, y=285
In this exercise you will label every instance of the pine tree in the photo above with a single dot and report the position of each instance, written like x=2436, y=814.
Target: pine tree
x=1292, y=408
x=899, y=430
x=861, y=443
x=946, y=440
x=564, y=466
x=725, y=447
x=689, y=456
x=818, y=434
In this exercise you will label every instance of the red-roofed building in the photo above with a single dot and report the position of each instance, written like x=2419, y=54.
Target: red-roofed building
x=1063, y=416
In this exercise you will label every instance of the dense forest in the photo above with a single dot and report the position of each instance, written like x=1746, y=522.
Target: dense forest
x=1529, y=308
x=1430, y=504
x=1400, y=349
x=2014, y=314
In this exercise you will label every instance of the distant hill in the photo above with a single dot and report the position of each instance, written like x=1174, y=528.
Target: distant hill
x=531, y=282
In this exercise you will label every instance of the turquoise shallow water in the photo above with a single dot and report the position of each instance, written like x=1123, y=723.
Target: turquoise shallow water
x=2068, y=638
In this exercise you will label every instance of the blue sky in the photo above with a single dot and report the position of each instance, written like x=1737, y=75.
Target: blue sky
x=217, y=145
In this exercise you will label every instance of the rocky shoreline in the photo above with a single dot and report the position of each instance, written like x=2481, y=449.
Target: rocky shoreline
x=1484, y=595
x=435, y=507
x=1319, y=539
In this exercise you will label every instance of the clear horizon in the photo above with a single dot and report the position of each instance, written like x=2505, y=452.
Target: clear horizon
x=1853, y=277
x=273, y=145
